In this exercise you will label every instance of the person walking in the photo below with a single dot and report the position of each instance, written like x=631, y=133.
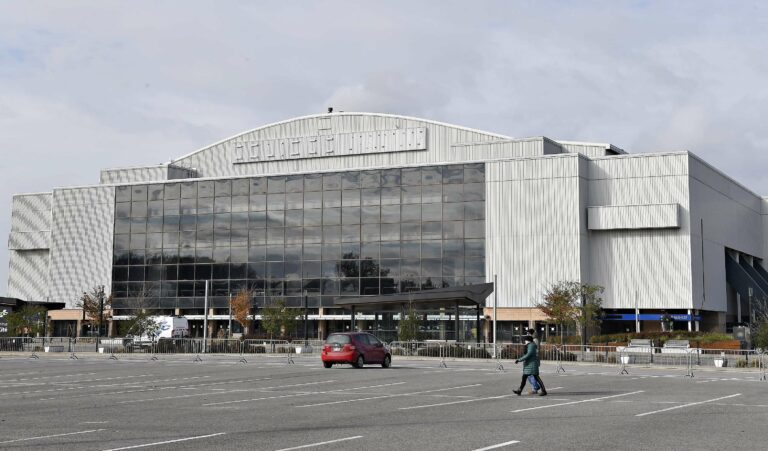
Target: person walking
x=531, y=367
x=531, y=380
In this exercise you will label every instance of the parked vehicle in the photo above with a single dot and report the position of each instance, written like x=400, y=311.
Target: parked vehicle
x=355, y=348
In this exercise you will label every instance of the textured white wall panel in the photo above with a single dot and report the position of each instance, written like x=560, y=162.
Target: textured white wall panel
x=533, y=226
x=28, y=275
x=31, y=212
x=29, y=240
x=657, y=216
x=81, y=237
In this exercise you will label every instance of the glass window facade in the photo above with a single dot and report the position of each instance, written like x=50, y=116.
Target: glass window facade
x=341, y=234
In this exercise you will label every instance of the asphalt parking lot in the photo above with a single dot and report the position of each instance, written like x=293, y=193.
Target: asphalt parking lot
x=267, y=404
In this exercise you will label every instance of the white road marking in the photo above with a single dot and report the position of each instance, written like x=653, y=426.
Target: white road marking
x=238, y=401
x=388, y=396
x=577, y=402
x=687, y=405
x=51, y=436
x=499, y=445
x=322, y=443
x=167, y=441
x=454, y=402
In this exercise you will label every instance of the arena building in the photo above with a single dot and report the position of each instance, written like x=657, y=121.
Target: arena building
x=324, y=209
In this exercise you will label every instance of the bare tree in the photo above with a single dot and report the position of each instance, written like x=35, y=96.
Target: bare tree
x=94, y=304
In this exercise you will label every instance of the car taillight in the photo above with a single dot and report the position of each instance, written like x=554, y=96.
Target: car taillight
x=326, y=347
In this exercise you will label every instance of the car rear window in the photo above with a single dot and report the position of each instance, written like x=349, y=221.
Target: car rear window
x=338, y=339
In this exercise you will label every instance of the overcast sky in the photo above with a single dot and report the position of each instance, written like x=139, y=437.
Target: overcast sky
x=91, y=85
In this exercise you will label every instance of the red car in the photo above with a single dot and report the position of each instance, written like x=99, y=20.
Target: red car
x=356, y=348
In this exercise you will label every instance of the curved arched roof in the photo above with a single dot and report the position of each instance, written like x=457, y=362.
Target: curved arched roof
x=343, y=113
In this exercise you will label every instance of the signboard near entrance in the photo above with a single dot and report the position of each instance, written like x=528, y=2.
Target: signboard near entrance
x=650, y=317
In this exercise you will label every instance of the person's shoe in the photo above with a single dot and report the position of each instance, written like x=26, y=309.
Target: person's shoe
x=533, y=392
x=543, y=393
x=517, y=392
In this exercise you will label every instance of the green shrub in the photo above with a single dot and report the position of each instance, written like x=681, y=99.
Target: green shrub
x=659, y=338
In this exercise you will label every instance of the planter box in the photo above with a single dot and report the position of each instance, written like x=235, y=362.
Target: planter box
x=726, y=344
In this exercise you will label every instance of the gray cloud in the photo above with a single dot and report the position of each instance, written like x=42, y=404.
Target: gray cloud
x=89, y=85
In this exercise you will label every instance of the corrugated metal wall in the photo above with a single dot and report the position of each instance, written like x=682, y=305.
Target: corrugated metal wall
x=81, y=236
x=533, y=226
x=643, y=268
x=732, y=218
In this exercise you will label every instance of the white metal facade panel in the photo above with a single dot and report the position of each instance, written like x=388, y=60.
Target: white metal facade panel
x=81, y=236
x=613, y=217
x=732, y=218
x=533, y=226
x=145, y=174
x=643, y=268
x=28, y=275
x=649, y=269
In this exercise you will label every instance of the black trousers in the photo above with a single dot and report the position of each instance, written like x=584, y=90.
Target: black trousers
x=538, y=379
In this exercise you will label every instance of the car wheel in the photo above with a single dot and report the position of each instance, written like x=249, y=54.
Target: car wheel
x=387, y=361
x=327, y=364
x=360, y=361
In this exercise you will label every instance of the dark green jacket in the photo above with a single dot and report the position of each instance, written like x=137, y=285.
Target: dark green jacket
x=530, y=359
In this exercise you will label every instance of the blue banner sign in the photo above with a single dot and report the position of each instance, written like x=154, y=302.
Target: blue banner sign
x=650, y=317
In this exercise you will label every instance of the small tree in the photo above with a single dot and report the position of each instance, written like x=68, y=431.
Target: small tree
x=241, y=308
x=572, y=303
x=277, y=319
x=94, y=304
x=30, y=320
x=142, y=322
x=408, y=329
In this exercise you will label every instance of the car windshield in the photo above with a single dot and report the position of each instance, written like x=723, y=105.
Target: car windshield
x=338, y=339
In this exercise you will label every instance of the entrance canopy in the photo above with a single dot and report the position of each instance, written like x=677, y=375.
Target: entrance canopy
x=468, y=295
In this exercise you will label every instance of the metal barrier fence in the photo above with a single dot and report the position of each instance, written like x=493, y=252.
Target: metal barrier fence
x=611, y=355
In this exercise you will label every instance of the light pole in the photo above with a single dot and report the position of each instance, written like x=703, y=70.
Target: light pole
x=229, y=330
x=305, y=318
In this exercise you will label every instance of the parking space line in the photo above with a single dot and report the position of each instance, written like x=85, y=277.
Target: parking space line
x=167, y=442
x=238, y=401
x=51, y=436
x=687, y=405
x=578, y=402
x=498, y=445
x=388, y=396
x=322, y=443
x=454, y=402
